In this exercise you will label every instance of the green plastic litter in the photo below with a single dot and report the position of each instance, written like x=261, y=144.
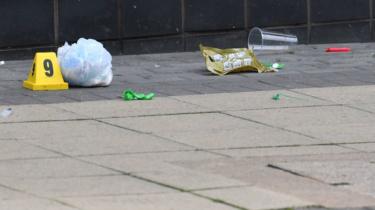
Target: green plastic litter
x=278, y=96
x=130, y=95
x=274, y=65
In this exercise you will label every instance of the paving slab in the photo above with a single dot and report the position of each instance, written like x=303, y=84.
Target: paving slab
x=164, y=168
x=365, y=147
x=56, y=130
x=182, y=123
x=148, y=162
x=253, y=136
x=188, y=179
x=257, y=172
x=161, y=167
x=119, y=108
x=113, y=185
x=343, y=133
x=27, y=113
x=175, y=201
x=20, y=150
x=61, y=130
x=366, y=107
x=126, y=143
x=256, y=198
x=48, y=168
x=35, y=204
x=307, y=116
x=7, y=194
x=87, y=138
x=343, y=95
x=333, y=124
x=286, y=151
x=251, y=100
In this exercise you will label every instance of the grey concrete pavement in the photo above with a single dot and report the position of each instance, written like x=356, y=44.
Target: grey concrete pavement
x=210, y=143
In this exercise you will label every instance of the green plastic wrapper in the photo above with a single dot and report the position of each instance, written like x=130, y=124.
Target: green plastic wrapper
x=224, y=61
x=130, y=95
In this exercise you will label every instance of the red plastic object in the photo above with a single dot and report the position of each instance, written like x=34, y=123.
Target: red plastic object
x=339, y=49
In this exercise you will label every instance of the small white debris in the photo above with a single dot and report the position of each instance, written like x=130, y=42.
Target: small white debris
x=6, y=112
x=2, y=62
x=157, y=66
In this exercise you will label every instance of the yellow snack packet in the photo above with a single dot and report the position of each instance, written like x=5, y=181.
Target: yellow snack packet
x=224, y=61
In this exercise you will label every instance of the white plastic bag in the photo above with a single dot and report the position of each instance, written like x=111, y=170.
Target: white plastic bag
x=86, y=63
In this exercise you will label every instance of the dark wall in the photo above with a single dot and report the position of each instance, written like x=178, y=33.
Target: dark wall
x=146, y=26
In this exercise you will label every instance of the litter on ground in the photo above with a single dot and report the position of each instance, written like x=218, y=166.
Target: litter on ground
x=275, y=65
x=338, y=50
x=6, y=112
x=224, y=61
x=86, y=63
x=130, y=95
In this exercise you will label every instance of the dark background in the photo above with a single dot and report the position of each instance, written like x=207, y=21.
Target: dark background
x=147, y=26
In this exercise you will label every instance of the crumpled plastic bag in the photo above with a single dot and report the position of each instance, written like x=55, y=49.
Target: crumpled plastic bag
x=234, y=60
x=85, y=63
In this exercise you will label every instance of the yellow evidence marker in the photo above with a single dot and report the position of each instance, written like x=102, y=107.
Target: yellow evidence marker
x=45, y=73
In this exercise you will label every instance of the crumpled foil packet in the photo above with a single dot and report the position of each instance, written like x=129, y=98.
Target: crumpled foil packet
x=224, y=61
